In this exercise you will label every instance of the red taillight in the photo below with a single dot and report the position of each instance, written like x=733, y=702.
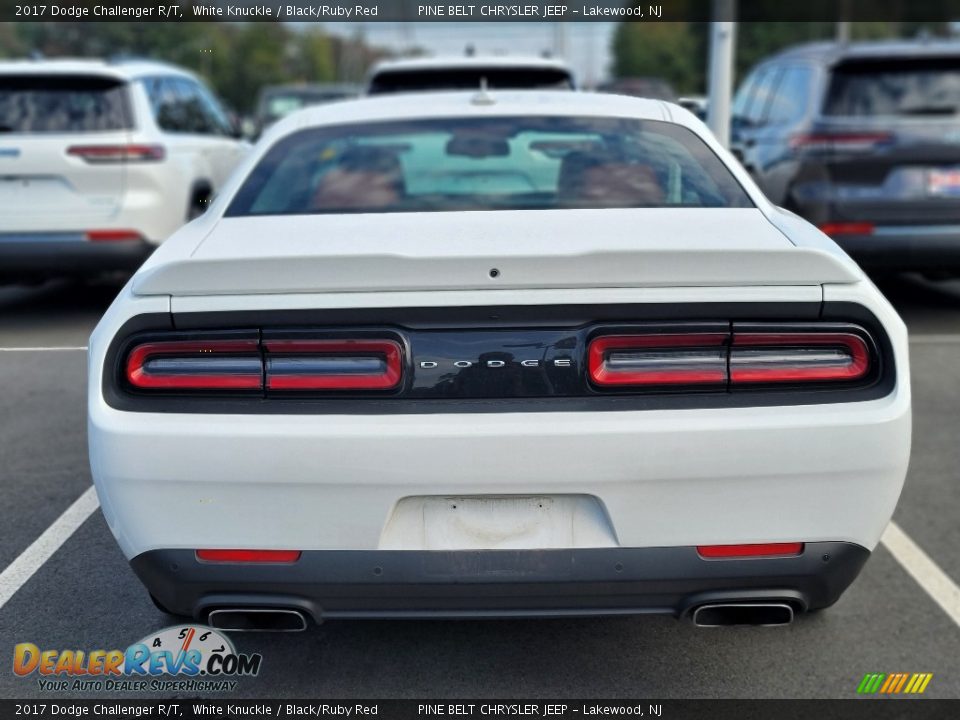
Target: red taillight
x=333, y=364
x=675, y=359
x=839, y=141
x=847, y=228
x=249, y=556
x=752, y=356
x=784, y=357
x=118, y=153
x=754, y=550
x=112, y=235
x=196, y=365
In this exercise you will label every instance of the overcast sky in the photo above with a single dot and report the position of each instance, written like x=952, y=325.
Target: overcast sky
x=587, y=45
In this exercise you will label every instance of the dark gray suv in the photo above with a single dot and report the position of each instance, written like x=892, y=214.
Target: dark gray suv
x=862, y=140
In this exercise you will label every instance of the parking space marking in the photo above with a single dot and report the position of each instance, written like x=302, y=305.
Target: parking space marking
x=42, y=549
x=934, y=339
x=77, y=348
x=924, y=570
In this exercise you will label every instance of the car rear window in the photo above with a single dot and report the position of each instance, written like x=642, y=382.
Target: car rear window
x=62, y=104
x=470, y=79
x=904, y=87
x=500, y=163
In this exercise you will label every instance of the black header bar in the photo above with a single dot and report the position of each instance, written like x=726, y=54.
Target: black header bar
x=325, y=11
x=561, y=709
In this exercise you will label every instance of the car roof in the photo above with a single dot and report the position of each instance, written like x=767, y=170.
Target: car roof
x=494, y=103
x=122, y=69
x=467, y=62
x=830, y=53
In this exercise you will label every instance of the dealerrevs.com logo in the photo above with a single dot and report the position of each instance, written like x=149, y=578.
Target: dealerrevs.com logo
x=201, y=658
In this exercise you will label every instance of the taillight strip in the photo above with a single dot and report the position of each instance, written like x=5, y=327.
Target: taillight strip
x=375, y=364
x=195, y=365
x=98, y=154
x=658, y=359
x=249, y=556
x=795, y=357
x=752, y=550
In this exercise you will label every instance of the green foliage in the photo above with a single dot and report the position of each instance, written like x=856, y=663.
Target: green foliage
x=659, y=49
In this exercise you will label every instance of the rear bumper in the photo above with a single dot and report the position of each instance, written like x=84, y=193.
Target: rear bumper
x=601, y=581
x=905, y=248
x=31, y=254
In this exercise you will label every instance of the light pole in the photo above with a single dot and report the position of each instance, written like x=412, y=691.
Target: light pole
x=722, y=43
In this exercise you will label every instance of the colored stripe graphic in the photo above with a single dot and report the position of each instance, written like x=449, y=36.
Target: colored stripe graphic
x=894, y=683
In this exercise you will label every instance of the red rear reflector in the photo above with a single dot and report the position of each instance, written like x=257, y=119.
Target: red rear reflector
x=333, y=364
x=112, y=235
x=849, y=142
x=750, y=551
x=792, y=357
x=118, y=153
x=677, y=359
x=850, y=228
x=249, y=556
x=196, y=365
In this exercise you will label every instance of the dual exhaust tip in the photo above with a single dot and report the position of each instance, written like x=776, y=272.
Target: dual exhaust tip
x=746, y=613
x=291, y=620
x=257, y=620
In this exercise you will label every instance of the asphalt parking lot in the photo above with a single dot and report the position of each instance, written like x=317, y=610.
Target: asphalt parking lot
x=84, y=595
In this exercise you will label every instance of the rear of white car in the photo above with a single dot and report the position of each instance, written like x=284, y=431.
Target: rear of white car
x=565, y=410
x=90, y=179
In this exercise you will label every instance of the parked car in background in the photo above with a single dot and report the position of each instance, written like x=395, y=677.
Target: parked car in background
x=560, y=357
x=862, y=140
x=100, y=162
x=697, y=104
x=506, y=72
x=648, y=87
x=277, y=101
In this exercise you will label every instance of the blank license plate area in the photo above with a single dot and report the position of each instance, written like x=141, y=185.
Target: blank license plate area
x=497, y=522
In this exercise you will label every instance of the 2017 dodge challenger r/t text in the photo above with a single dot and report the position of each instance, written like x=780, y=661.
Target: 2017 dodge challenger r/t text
x=497, y=354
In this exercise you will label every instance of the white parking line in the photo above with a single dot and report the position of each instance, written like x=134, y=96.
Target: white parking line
x=44, y=349
x=935, y=339
x=42, y=549
x=924, y=570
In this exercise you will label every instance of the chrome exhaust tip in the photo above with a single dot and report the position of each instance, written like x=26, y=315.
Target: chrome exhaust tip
x=724, y=614
x=257, y=620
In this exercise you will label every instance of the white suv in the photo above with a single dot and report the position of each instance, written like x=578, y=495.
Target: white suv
x=100, y=162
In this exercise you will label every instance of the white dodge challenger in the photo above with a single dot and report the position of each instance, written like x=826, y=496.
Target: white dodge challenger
x=497, y=354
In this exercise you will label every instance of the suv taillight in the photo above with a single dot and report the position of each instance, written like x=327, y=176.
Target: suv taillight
x=103, y=154
x=840, y=141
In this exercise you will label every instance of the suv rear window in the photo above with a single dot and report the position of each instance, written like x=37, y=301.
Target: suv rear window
x=904, y=87
x=499, y=163
x=62, y=104
x=392, y=81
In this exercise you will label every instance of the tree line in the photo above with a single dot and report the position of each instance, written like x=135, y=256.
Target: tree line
x=237, y=59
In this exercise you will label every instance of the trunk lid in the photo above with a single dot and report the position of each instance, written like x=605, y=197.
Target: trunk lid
x=662, y=247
